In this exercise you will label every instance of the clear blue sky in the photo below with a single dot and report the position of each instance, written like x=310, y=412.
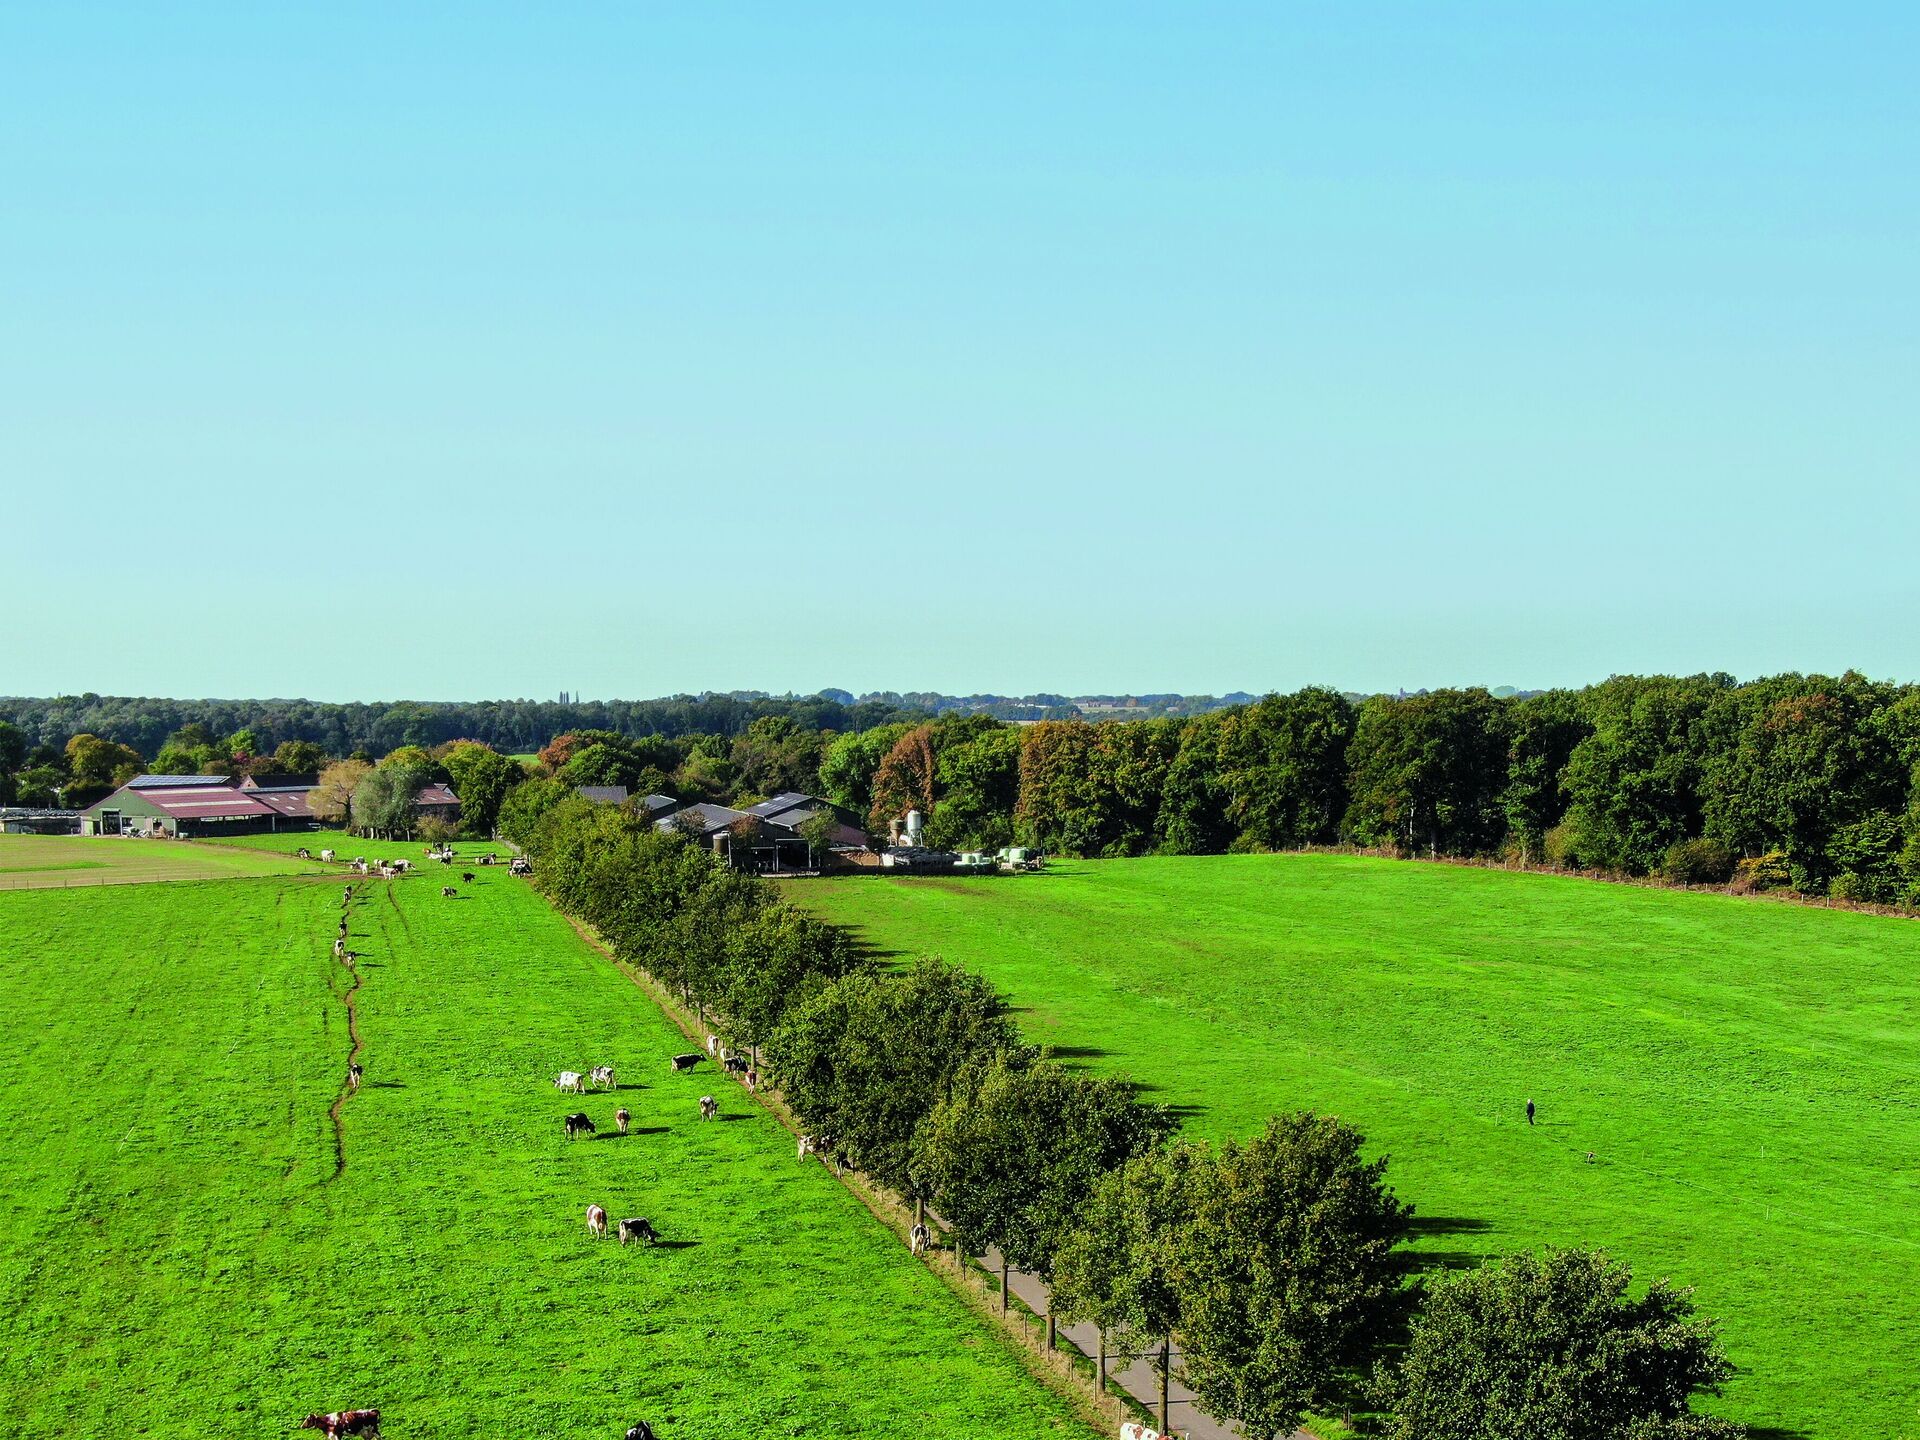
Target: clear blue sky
x=628, y=348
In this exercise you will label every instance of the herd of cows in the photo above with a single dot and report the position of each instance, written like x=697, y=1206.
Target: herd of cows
x=364, y=1424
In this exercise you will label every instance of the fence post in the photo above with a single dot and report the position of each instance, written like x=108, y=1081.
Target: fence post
x=1052, y=1334
x=1003, y=1284
x=1100, y=1365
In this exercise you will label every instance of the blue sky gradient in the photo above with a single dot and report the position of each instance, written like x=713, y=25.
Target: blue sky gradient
x=628, y=349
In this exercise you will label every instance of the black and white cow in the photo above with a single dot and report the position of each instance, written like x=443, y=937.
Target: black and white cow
x=578, y=1124
x=638, y=1229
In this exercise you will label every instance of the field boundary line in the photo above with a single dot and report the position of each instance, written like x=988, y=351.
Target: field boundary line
x=1057, y=1371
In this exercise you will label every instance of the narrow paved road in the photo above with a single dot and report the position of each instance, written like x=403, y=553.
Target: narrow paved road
x=1136, y=1376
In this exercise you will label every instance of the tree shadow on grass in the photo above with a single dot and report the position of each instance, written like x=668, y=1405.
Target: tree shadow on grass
x=1426, y=1226
x=1776, y=1432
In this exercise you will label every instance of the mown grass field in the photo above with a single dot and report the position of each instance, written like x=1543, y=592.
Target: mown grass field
x=54, y=862
x=1746, y=1075
x=180, y=1256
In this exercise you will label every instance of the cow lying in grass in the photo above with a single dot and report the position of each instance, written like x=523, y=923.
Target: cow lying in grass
x=365, y=1423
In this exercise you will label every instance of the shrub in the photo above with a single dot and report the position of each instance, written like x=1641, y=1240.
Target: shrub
x=1561, y=847
x=1698, y=862
x=433, y=828
x=1770, y=871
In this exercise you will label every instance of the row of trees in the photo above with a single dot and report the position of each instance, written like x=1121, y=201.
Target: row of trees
x=510, y=726
x=1273, y=1261
x=1808, y=781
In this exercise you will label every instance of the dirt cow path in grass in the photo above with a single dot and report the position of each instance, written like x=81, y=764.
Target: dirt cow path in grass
x=349, y=998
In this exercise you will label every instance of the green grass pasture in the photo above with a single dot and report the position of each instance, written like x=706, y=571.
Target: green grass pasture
x=1745, y=1074
x=182, y=1255
x=37, y=862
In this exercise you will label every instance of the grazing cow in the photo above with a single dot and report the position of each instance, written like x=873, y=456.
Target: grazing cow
x=637, y=1229
x=466, y=877
x=486, y=859
x=403, y=866
x=919, y=1239
x=362, y=1423
x=326, y=854
x=622, y=1119
x=805, y=1148
x=713, y=1044
x=339, y=949
x=304, y=853
x=578, y=1124
x=603, y=1075
x=641, y=1431
x=448, y=891
x=736, y=1064
x=682, y=1063
x=596, y=1220
x=568, y=1082
x=752, y=1078
x=446, y=859
x=520, y=866
x=709, y=1107
x=354, y=1071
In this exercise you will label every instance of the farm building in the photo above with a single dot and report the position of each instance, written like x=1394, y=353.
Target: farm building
x=437, y=802
x=602, y=794
x=791, y=810
x=28, y=820
x=176, y=805
x=214, y=805
x=764, y=836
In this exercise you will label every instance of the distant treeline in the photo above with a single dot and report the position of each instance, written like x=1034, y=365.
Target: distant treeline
x=1801, y=781
x=507, y=725
x=1806, y=782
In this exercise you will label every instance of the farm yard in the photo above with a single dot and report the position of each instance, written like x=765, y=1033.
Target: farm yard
x=53, y=862
x=185, y=1249
x=1727, y=1089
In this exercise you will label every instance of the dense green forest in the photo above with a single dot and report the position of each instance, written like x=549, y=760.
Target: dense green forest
x=1807, y=782
x=1801, y=781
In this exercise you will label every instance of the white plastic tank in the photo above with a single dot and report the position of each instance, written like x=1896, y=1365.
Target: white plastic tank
x=914, y=825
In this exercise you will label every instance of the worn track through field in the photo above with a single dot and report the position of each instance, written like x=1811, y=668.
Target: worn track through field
x=349, y=998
